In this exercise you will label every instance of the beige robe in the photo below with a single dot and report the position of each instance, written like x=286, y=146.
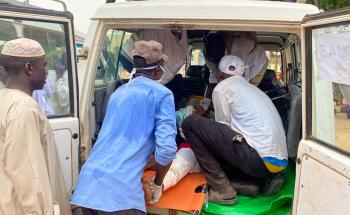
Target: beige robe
x=253, y=56
x=30, y=173
x=175, y=49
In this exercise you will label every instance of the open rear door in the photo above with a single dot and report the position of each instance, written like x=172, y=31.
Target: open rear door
x=323, y=162
x=54, y=31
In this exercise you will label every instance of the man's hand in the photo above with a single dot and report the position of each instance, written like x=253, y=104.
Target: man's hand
x=157, y=192
x=147, y=188
x=202, y=106
x=152, y=191
x=199, y=110
x=156, y=183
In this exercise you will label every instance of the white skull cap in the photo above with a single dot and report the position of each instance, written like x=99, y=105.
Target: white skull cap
x=230, y=60
x=23, y=47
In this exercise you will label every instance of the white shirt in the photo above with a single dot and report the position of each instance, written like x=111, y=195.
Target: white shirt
x=253, y=55
x=248, y=111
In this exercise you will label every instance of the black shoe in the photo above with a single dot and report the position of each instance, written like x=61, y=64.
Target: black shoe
x=274, y=185
x=225, y=197
x=222, y=198
x=247, y=188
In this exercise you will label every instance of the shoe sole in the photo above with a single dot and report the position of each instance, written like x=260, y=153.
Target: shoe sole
x=251, y=190
x=225, y=201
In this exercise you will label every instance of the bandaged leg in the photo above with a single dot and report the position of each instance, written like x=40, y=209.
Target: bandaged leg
x=185, y=162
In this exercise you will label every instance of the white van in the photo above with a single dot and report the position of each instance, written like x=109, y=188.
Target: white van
x=309, y=52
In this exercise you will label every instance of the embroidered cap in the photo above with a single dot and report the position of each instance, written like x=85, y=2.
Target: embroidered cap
x=23, y=47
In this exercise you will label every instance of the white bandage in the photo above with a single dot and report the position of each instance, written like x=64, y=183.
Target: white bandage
x=185, y=162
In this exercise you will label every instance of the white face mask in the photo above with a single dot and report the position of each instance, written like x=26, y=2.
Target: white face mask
x=133, y=72
x=163, y=79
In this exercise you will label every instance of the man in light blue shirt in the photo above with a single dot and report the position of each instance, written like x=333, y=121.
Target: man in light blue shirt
x=140, y=120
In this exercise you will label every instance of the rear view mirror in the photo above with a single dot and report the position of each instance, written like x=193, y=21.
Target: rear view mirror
x=84, y=53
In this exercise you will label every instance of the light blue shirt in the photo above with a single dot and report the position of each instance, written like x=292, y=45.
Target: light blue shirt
x=140, y=120
x=42, y=98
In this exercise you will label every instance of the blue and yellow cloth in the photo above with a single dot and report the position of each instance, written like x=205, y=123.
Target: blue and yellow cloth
x=275, y=165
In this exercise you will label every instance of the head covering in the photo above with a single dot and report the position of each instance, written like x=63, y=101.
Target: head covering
x=151, y=51
x=232, y=61
x=152, y=54
x=251, y=54
x=23, y=47
x=269, y=75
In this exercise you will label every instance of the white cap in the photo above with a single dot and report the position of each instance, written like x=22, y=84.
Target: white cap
x=232, y=61
x=23, y=47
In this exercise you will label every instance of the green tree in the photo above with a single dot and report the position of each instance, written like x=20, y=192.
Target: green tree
x=330, y=4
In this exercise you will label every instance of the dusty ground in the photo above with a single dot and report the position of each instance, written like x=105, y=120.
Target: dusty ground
x=342, y=137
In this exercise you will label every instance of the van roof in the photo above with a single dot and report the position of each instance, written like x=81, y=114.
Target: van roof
x=21, y=7
x=206, y=9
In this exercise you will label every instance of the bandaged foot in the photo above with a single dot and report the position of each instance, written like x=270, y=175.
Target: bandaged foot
x=185, y=162
x=147, y=188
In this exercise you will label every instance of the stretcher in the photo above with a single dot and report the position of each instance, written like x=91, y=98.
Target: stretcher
x=188, y=195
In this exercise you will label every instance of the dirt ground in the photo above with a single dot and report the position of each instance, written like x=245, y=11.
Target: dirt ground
x=342, y=137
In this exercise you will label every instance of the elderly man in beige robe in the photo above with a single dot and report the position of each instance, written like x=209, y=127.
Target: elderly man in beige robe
x=31, y=180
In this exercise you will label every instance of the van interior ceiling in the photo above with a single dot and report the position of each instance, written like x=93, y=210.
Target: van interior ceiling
x=281, y=81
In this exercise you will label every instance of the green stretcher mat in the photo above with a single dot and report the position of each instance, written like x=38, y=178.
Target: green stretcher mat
x=277, y=204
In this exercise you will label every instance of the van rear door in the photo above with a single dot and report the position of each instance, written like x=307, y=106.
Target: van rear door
x=59, y=98
x=323, y=162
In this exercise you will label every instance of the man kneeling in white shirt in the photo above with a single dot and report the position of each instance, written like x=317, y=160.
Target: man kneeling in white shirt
x=247, y=136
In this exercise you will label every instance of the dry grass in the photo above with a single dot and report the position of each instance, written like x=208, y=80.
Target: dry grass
x=342, y=135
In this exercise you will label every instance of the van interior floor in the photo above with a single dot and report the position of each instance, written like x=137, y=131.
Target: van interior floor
x=277, y=204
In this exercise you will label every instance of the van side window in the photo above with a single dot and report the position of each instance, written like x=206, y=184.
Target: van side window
x=108, y=69
x=296, y=62
x=331, y=86
x=54, y=99
x=197, y=57
x=275, y=62
x=296, y=54
x=125, y=64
